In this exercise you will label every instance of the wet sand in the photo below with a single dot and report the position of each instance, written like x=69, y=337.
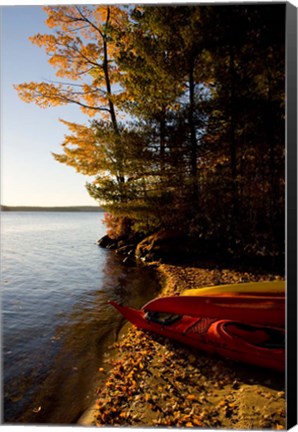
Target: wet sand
x=152, y=381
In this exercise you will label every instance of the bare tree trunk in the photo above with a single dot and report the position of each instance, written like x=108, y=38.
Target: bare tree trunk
x=120, y=175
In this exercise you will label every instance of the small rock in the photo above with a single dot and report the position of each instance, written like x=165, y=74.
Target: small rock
x=236, y=385
x=37, y=409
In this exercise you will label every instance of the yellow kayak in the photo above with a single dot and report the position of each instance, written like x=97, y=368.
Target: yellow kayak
x=264, y=288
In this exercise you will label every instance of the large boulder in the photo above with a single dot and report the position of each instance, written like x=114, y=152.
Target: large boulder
x=161, y=245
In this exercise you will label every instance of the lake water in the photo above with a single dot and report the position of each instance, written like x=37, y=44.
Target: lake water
x=57, y=327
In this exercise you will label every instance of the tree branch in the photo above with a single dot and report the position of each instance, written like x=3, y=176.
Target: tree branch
x=85, y=19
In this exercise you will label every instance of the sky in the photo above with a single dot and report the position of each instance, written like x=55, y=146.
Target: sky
x=29, y=174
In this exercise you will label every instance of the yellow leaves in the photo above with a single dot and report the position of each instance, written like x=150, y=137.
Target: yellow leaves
x=101, y=14
x=65, y=53
x=111, y=14
x=54, y=16
x=42, y=94
x=130, y=375
x=58, y=60
x=88, y=21
x=90, y=51
x=76, y=58
x=93, y=97
x=80, y=149
x=133, y=384
x=47, y=95
x=147, y=397
x=64, y=17
x=76, y=51
x=191, y=397
x=196, y=421
x=48, y=41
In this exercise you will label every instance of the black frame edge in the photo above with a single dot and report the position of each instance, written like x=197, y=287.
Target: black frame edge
x=291, y=230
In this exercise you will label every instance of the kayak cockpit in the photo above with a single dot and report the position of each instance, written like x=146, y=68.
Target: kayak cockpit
x=259, y=336
x=162, y=318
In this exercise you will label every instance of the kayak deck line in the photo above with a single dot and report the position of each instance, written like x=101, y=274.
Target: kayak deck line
x=253, y=310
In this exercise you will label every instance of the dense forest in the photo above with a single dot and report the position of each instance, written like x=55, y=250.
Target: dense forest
x=186, y=107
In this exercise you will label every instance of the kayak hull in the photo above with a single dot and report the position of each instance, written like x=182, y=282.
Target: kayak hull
x=248, y=309
x=226, y=338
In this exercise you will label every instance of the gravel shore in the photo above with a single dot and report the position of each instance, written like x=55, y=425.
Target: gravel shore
x=153, y=381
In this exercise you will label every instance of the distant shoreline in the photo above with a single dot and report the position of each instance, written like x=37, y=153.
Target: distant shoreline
x=51, y=209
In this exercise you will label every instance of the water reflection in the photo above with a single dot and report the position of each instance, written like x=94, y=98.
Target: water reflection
x=83, y=339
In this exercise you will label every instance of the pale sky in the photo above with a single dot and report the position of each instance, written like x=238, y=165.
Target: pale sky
x=29, y=173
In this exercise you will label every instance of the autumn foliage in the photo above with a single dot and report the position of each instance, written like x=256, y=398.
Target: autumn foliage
x=186, y=108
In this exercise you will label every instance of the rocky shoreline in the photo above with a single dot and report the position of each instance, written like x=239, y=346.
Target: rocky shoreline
x=164, y=244
x=152, y=381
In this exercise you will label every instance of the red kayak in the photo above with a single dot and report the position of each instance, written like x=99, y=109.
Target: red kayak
x=261, y=310
x=257, y=345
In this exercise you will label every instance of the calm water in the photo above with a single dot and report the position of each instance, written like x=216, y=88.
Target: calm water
x=56, y=325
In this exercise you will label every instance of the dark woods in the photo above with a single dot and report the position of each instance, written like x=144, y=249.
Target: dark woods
x=205, y=152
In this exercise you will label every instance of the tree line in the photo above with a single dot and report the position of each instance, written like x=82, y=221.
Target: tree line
x=186, y=107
